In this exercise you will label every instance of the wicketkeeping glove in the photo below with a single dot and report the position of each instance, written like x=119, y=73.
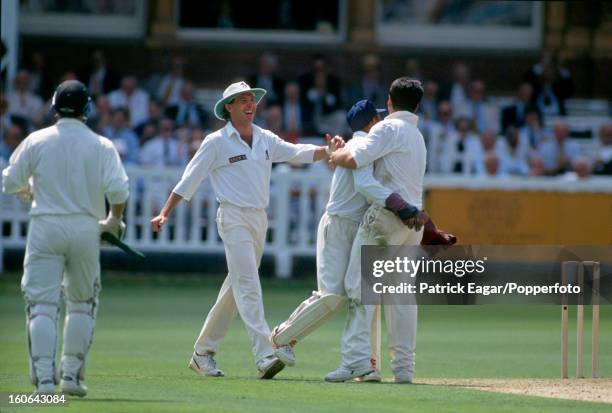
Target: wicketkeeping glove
x=113, y=225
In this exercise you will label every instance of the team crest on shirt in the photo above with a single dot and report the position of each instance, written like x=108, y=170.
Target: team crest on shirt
x=237, y=158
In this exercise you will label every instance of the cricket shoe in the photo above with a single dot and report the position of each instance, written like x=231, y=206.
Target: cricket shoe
x=269, y=367
x=286, y=355
x=403, y=378
x=343, y=374
x=72, y=386
x=45, y=387
x=205, y=365
x=371, y=377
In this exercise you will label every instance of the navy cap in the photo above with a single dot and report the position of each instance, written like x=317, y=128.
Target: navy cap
x=361, y=113
x=71, y=98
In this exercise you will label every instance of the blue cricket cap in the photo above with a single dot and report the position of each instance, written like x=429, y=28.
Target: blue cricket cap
x=361, y=113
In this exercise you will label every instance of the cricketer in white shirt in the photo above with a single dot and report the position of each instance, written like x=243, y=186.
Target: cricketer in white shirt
x=71, y=170
x=238, y=158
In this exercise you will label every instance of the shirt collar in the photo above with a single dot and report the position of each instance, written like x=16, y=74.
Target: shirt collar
x=69, y=121
x=232, y=132
x=404, y=115
x=359, y=133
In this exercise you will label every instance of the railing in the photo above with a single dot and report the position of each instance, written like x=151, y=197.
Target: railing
x=297, y=200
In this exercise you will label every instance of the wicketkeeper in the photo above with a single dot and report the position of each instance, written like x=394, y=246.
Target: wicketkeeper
x=68, y=171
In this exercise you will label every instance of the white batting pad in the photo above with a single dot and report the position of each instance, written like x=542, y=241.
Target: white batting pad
x=78, y=334
x=42, y=338
x=309, y=315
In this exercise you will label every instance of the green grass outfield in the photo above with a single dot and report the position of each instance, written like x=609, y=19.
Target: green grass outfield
x=147, y=325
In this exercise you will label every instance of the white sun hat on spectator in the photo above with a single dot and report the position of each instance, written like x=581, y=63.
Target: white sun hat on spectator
x=234, y=90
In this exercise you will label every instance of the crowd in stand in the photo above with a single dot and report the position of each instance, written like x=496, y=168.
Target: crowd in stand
x=158, y=122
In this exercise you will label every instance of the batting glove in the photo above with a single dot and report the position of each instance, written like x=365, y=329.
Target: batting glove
x=113, y=225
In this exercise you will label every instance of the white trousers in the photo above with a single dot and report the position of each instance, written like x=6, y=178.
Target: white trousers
x=379, y=227
x=335, y=237
x=243, y=231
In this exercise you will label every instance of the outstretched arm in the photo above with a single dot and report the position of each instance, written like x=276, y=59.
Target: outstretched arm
x=173, y=200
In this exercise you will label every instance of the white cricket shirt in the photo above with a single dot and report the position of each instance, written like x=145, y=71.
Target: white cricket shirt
x=240, y=175
x=72, y=170
x=398, y=148
x=344, y=199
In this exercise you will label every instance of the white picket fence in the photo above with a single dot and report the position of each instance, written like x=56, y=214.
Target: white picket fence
x=297, y=201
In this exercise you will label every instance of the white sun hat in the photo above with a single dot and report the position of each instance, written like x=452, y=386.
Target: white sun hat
x=234, y=90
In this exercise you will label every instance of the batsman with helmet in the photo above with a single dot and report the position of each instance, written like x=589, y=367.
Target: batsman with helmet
x=67, y=171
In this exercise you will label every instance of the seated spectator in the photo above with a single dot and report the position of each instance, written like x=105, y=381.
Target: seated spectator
x=7, y=120
x=186, y=111
x=41, y=83
x=13, y=136
x=552, y=85
x=581, y=167
x=168, y=92
x=369, y=85
x=536, y=166
x=457, y=92
x=475, y=107
x=532, y=134
x=131, y=97
x=149, y=131
x=514, y=115
x=23, y=103
x=513, y=160
x=124, y=139
x=603, y=159
x=320, y=95
x=163, y=150
x=98, y=77
x=463, y=152
x=491, y=164
x=488, y=140
x=429, y=103
x=558, y=153
x=437, y=137
x=293, y=120
x=268, y=79
x=154, y=116
x=101, y=118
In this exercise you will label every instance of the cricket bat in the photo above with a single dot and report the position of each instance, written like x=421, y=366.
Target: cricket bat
x=113, y=240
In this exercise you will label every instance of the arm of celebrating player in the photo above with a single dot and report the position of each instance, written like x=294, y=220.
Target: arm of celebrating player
x=379, y=142
x=283, y=151
x=15, y=176
x=173, y=200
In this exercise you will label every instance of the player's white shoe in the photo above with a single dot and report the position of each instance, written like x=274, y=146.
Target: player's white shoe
x=45, y=387
x=405, y=378
x=205, y=365
x=343, y=374
x=372, y=377
x=72, y=386
x=286, y=355
x=269, y=367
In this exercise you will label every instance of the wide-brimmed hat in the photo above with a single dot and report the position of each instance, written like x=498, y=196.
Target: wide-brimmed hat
x=234, y=90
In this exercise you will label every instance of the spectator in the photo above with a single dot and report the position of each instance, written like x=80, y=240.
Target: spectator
x=412, y=69
x=603, y=160
x=163, y=150
x=491, y=164
x=429, y=104
x=168, y=92
x=274, y=121
x=149, y=131
x=196, y=137
x=131, y=97
x=437, y=137
x=102, y=115
x=581, y=167
x=40, y=81
x=488, y=140
x=369, y=86
x=474, y=107
x=124, y=139
x=23, y=103
x=463, y=152
x=7, y=120
x=186, y=111
x=558, y=153
x=100, y=80
x=457, y=92
x=552, y=85
x=12, y=138
x=268, y=79
x=514, y=115
x=154, y=116
x=321, y=94
x=513, y=160
x=293, y=121
x=536, y=166
x=532, y=134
